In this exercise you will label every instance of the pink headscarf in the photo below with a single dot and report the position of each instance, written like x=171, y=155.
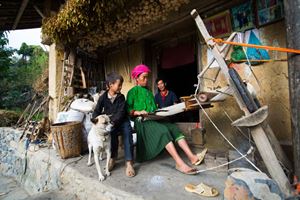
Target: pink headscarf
x=139, y=69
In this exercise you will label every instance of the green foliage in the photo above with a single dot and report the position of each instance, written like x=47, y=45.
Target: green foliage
x=8, y=118
x=18, y=73
x=5, y=53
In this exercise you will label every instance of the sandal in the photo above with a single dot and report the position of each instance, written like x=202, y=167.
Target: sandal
x=200, y=156
x=111, y=164
x=202, y=189
x=192, y=171
x=130, y=171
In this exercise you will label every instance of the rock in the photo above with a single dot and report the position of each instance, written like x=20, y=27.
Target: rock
x=247, y=184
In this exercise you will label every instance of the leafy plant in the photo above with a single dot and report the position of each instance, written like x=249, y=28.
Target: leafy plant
x=18, y=74
x=5, y=54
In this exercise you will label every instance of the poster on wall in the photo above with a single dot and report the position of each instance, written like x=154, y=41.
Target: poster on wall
x=269, y=11
x=219, y=25
x=252, y=37
x=242, y=16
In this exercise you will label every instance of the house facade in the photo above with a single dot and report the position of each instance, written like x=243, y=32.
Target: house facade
x=173, y=49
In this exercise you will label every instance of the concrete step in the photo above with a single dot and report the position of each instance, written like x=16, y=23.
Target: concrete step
x=47, y=172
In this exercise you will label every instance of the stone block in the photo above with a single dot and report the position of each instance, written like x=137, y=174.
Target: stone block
x=242, y=163
x=197, y=136
x=216, y=158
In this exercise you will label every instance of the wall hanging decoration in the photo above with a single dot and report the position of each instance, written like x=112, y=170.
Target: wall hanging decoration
x=219, y=25
x=242, y=16
x=269, y=11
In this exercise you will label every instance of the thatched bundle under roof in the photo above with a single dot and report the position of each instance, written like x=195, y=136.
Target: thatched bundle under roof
x=98, y=23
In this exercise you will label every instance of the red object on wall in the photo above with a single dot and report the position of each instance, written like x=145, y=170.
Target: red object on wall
x=177, y=56
x=219, y=25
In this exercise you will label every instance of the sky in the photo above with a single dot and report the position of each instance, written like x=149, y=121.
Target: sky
x=29, y=36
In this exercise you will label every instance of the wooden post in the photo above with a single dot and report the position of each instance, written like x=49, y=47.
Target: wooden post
x=292, y=10
x=257, y=132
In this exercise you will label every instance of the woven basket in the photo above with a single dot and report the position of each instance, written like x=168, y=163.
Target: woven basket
x=68, y=138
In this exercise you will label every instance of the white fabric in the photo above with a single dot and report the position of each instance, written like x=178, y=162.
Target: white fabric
x=61, y=117
x=74, y=115
x=87, y=123
x=83, y=105
x=134, y=138
x=97, y=96
x=172, y=110
x=251, y=90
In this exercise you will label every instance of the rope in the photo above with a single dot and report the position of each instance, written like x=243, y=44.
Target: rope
x=251, y=60
x=62, y=170
x=211, y=121
x=247, y=137
x=227, y=163
x=287, y=50
x=250, y=67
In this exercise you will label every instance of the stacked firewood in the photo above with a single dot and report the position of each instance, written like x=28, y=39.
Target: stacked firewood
x=103, y=22
x=35, y=129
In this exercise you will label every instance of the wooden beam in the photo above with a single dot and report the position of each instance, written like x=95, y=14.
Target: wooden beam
x=20, y=13
x=293, y=35
x=181, y=17
x=39, y=11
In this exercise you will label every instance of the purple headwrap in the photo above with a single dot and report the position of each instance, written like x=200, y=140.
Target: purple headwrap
x=139, y=69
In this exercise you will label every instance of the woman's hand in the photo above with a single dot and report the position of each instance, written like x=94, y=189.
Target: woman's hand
x=140, y=113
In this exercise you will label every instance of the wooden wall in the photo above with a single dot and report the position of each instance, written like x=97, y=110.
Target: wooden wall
x=123, y=60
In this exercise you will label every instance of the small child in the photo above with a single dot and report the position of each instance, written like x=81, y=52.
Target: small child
x=112, y=103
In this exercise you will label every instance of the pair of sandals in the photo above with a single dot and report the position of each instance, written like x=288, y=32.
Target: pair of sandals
x=130, y=172
x=193, y=171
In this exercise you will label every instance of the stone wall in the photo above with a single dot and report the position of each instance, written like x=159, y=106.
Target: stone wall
x=11, y=160
x=45, y=171
x=32, y=169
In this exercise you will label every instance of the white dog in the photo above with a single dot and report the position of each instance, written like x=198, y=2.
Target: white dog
x=99, y=140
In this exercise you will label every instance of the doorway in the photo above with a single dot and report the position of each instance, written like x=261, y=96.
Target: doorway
x=181, y=80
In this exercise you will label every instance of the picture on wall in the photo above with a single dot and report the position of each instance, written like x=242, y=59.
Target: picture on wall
x=219, y=25
x=269, y=11
x=242, y=16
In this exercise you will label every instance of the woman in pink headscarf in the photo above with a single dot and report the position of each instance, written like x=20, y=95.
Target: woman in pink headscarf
x=155, y=136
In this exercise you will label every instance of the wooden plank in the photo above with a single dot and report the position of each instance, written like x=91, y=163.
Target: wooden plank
x=83, y=78
x=293, y=32
x=20, y=13
x=22, y=116
x=257, y=132
x=266, y=151
x=277, y=147
x=254, y=119
x=218, y=57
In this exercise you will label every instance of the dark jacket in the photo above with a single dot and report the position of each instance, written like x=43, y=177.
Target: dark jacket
x=170, y=99
x=117, y=110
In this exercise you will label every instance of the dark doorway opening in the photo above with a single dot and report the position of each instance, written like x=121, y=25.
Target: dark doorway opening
x=181, y=80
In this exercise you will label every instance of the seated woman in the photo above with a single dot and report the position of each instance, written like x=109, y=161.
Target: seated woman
x=154, y=136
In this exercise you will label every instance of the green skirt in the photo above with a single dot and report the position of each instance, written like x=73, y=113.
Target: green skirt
x=153, y=136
